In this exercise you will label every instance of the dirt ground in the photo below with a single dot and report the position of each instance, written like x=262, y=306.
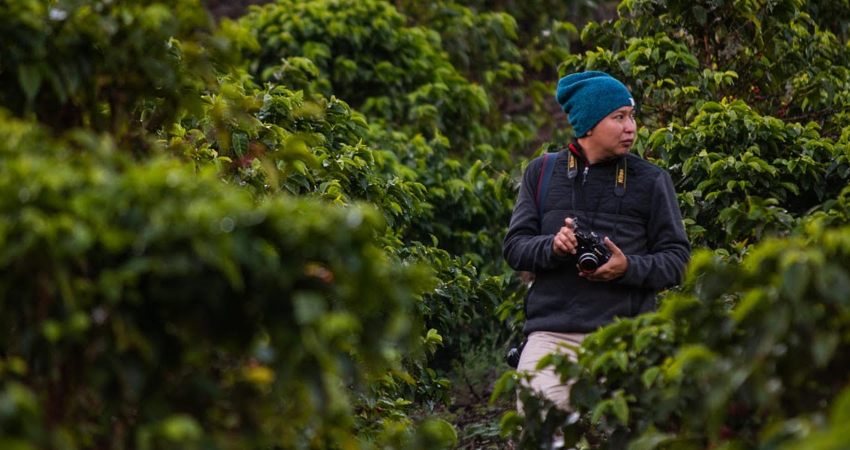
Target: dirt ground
x=475, y=419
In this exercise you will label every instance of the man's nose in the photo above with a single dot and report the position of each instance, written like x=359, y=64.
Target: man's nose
x=631, y=126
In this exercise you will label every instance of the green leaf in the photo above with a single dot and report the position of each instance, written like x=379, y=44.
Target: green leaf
x=840, y=415
x=599, y=410
x=649, y=376
x=511, y=421
x=823, y=347
x=181, y=428
x=795, y=280
x=749, y=304
x=239, y=143
x=621, y=408
x=700, y=14
x=584, y=393
x=649, y=440
x=441, y=431
x=622, y=360
x=29, y=77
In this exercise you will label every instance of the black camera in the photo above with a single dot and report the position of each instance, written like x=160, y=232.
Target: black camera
x=591, y=250
x=512, y=358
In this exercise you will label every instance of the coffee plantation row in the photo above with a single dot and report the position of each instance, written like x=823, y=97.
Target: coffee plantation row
x=283, y=231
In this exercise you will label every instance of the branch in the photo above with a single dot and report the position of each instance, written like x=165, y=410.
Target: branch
x=816, y=114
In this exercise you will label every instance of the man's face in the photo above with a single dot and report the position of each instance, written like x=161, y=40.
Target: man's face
x=612, y=136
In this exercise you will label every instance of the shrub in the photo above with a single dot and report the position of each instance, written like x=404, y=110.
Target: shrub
x=148, y=305
x=747, y=353
x=97, y=64
x=364, y=53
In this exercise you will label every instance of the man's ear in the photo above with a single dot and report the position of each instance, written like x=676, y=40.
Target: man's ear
x=589, y=133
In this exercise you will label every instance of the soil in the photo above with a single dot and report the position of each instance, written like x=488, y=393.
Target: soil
x=475, y=419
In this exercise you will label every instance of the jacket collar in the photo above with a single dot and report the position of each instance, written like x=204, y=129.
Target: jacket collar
x=578, y=152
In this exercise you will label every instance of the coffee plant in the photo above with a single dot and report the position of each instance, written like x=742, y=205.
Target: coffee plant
x=284, y=231
x=742, y=358
x=94, y=64
x=150, y=305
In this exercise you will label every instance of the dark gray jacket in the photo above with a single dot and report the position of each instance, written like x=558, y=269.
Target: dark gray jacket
x=645, y=223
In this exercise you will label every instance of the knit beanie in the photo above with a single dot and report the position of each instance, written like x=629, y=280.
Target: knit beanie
x=587, y=97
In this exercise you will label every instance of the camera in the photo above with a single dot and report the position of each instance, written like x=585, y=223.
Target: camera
x=591, y=250
x=512, y=358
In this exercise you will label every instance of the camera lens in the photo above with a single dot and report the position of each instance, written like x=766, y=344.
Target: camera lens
x=588, y=262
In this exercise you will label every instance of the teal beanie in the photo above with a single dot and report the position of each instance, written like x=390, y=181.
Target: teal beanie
x=587, y=97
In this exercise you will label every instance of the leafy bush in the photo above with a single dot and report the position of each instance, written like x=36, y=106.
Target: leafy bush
x=743, y=176
x=366, y=55
x=316, y=148
x=743, y=357
x=96, y=64
x=145, y=303
x=677, y=55
x=160, y=307
x=513, y=52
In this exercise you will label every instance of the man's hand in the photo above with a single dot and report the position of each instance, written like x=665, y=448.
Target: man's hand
x=565, y=241
x=615, y=267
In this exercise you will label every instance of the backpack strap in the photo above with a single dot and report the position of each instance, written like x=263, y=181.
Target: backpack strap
x=543, y=182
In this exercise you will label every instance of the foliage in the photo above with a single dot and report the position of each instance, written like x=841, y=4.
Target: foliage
x=72, y=63
x=275, y=142
x=511, y=54
x=309, y=145
x=364, y=54
x=276, y=139
x=316, y=148
x=485, y=32
x=205, y=253
x=744, y=104
x=741, y=360
x=677, y=55
x=424, y=181
x=742, y=176
x=170, y=301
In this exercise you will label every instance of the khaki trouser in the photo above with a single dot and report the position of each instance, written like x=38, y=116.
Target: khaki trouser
x=546, y=381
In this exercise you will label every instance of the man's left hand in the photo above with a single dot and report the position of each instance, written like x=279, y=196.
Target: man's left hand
x=615, y=267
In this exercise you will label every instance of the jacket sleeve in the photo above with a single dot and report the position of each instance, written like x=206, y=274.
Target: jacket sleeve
x=524, y=248
x=668, y=248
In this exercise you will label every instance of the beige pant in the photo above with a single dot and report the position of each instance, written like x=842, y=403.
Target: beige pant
x=546, y=381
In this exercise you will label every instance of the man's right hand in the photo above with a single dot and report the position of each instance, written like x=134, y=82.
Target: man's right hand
x=565, y=241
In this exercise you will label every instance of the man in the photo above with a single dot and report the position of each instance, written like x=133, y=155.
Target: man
x=597, y=186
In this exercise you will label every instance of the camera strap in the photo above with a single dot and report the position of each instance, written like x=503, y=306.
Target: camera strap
x=548, y=168
x=619, y=182
x=619, y=190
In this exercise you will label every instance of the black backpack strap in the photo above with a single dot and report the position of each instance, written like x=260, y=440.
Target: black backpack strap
x=546, y=171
